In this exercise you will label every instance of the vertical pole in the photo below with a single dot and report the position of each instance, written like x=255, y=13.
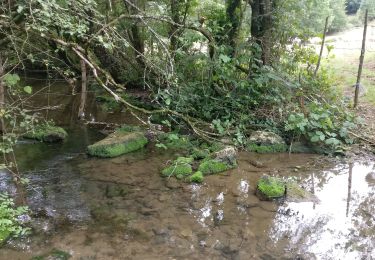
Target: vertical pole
x=2, y=93
x=322, y=47
x=361, y=59
x=349, y=188
x=81, y=110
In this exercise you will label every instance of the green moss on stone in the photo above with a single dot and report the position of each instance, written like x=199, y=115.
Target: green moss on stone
x=270, y=187
x=197, y=177
x=117, y=144
x=212, y=166
x=177, y=170
x=273, y=148
x=198, y=153
x=47, y=133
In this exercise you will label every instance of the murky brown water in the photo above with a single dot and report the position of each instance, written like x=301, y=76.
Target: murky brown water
x=121, y=208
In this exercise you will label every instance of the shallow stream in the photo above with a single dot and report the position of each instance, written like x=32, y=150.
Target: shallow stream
x=121, y=208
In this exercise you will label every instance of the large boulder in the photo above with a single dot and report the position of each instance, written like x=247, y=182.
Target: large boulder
x=266, y=142
x=118, y=143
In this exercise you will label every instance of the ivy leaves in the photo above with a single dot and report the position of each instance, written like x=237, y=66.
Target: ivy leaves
x=325, y=124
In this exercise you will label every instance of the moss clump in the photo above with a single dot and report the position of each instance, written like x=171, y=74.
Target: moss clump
x=269, y=188
x=47, y=133
x=197, y=177
x=212, y=166
x=198, y=153
x=180, y=168
x=117, y=144
x=272, y=148
x=177, y=170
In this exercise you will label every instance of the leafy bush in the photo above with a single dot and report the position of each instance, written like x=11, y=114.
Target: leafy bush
x=325, y=124
x=10, y=224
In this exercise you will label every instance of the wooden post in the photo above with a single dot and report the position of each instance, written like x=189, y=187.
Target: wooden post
x=349, y=187
x=361, y=59
x=322, y=47
x=81, y=110
x=2, y=93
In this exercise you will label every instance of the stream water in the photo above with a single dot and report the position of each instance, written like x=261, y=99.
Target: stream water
x=121, y=208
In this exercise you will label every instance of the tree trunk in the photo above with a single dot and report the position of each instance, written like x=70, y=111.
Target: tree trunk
x=234, y=15
x=261, y=25
x=135, y=33
x=81, y=110
x=173, y=32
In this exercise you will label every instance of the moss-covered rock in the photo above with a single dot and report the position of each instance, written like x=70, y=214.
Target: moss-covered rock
x=118, y=143
x=212, y=166
x=272, y=148
x=47, y=133
x=269, y=188
x=197, y=177
x=266, y=142
x=180, y=168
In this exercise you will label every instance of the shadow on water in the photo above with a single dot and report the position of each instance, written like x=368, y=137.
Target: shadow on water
x=121, y=208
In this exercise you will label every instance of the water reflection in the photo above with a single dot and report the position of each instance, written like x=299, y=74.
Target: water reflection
x=338, y=226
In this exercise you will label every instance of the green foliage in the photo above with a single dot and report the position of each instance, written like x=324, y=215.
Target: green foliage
x=174, y=141
x=212, y=166
x=9, y=222
x=325, y=124
x=271, y=187
x=197, y=177
x=370, y=6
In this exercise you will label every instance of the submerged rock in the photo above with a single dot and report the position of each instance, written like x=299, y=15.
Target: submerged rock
x=269, y=188
x=47, y=133
x=296, y=193
x=266, y=142
x=117, y=144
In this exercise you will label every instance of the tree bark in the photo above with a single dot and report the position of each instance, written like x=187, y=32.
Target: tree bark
x=81, y=110
x=261, y=25
x=234, y=16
